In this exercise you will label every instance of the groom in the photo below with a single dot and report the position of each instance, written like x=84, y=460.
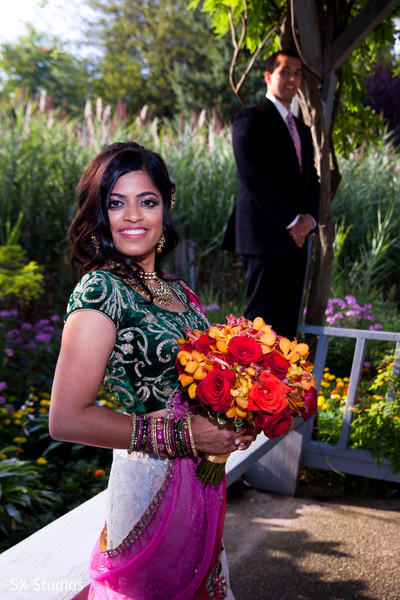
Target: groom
x=278, y=198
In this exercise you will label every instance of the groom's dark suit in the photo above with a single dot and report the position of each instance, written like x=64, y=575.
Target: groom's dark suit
x=272, y=192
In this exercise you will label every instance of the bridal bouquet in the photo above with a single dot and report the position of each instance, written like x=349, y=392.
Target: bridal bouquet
x=243, y=371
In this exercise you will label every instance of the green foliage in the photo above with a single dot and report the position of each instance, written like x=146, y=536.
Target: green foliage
x=21, y=493
x=261, y=17
x=203, y=169
x=367, y=210
x=375, y=424
x=28, y=353
x=37, y=63
x=19, y=282
x=152, y=50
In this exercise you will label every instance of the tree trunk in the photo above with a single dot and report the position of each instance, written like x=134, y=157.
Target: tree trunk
x=313, y=114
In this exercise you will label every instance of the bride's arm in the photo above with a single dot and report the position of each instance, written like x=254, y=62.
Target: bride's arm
x=87, y=342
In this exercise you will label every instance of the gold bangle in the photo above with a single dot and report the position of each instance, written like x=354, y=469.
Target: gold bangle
x=189, y=424
x=133, y=434
x=154, y=435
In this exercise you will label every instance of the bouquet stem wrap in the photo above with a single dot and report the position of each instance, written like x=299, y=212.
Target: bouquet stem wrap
x=212, y=468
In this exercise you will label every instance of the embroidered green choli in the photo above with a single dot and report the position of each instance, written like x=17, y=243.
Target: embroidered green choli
x=141, y=372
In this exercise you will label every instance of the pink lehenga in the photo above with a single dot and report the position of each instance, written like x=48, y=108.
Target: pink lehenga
x=171, y=548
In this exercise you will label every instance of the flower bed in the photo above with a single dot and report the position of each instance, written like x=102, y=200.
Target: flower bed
x=41, y=478
x=375, y=424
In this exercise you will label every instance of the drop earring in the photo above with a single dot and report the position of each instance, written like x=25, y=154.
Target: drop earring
x=160, y=244
x=96, y=244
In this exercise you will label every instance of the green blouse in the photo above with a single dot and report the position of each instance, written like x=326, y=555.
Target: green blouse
x=141, y=372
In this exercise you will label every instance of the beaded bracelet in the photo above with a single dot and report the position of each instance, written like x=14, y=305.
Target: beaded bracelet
x=162, y=436
x=133, y=434
x=191, y=439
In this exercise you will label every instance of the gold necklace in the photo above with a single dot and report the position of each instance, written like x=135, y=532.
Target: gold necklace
x=150, y=275
x=162, y=293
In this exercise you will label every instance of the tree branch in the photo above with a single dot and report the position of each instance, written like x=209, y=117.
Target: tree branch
x=237, y=45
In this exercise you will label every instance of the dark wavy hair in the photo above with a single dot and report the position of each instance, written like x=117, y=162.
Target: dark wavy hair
x=93, y=193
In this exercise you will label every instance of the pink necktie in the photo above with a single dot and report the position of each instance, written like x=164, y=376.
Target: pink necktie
x=295, y=137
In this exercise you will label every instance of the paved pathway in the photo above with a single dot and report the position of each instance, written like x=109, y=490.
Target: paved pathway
x=284, y=548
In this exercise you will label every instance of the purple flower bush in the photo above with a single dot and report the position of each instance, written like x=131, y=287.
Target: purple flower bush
x=28, y=354
x=348, y=313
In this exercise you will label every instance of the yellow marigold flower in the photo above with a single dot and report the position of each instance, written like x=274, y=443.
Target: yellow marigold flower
x=335, y=396
x=41, y=461
x=327, y=376
x=325, y=406
x=331, y=378
x=325, y=384
x=99, y=473
x=19, y=440
x=3, y=456
x=326, y=369
x=321, y=400
x=45, y=395
x=17, y=422
x=43, y=411
x=7, y=422
x=346, y=379
x=44, y=403
x=29, y=409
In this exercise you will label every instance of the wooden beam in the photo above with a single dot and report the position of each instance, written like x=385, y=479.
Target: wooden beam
x=305, y=17
x=369, y=18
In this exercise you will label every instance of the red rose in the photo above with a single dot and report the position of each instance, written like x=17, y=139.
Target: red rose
x=202, y=344
x=277, y=363
x=268, y=394
x=215, y=389
x=310, y=403
x=245, y=350
x=274, y=425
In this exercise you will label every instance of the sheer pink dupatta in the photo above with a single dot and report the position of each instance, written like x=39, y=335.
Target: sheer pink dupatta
x=173, y=551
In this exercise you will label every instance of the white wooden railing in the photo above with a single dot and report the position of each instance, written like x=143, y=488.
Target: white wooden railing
x=351, y=461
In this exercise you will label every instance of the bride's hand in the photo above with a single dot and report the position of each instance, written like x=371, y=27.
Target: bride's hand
x=212, y=438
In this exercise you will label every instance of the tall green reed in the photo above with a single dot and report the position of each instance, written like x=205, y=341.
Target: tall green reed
x=366, y=209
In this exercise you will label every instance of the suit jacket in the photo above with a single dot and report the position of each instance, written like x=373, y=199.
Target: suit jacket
x=271, y=188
